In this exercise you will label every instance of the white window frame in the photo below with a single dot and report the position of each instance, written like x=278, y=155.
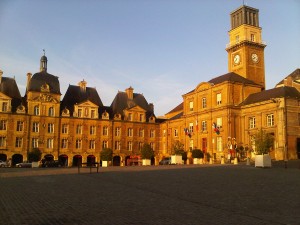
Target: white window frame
x=219, y=98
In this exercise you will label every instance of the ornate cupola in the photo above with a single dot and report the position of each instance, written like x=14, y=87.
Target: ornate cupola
x=43, y=63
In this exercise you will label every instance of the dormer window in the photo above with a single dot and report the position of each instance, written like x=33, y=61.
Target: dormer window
x=51, y=111
x=141, y=117
x=79, y=113
x=219, y=99
x=129, y=116
x=4, y=106
x=36, y=110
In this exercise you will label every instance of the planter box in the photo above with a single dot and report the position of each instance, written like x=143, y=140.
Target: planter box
x=176, y=159
x=198, y=161
x=35, y=164
x=104, y=163
x=263, y=161
x=146, y=162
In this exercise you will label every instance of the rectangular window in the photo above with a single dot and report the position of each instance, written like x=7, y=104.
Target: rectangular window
x=130, y=116
x=152, y=145
x=4, y=107
x=79, y=129
x=79, y=112
x=36, y=110
x=117, y=145
x=237, y=39
x=105, y=131
x=50, y=128
x=203, y=103
x=252, y=37
x=2, y=141
x=175, y=132
x=219, y=122
x=92, y=144
x=270, y=120
x=219, y=144
x=204, y=126
x=251, y=122
x=78, y=144
x=152, y=133
x=92, y=130
x=191, y=106
x=191, y=127
x=20, y=125
x=104, y=144
x=35, y=127
x=35, y=143
x=130, y=132
x=219, y=99
x=50, y=143
x=64, y=143
x=51, y=111
x=19, y=142
x=129, y=145
x=118, y=131
x=93, y=114
x=65, y=128
x=141, y=132
x=141, y=144
x=141, y=117
x=2, y=124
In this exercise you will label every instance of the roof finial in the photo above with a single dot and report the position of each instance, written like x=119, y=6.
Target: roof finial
x=44, y=51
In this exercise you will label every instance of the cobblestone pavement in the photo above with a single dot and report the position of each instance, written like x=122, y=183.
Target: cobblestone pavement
x=186, y=194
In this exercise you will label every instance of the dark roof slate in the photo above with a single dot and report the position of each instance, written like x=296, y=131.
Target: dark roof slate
x=280, y=92
x=294, y=75
x=9, y=87
x=39, y=79
x=177, y=108
x=232, y=77
x=122, y=102
x=76, y=95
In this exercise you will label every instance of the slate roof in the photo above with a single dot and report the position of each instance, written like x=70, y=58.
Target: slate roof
x=122, y=102
x=39, y=79
x=232, y=77
x=294, y=75
x=9, y=87
x=177, y=108
x=280, y=92
x=75, y=95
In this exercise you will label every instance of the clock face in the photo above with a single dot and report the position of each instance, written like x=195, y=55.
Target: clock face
x=254, y=57
x=236, y=59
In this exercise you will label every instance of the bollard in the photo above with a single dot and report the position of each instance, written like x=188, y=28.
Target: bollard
x=235, y=161
x=248, y=161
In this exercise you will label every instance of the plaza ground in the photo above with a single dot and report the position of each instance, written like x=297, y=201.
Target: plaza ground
x=181, y=194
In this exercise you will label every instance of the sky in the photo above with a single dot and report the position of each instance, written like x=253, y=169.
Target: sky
x=161, y=48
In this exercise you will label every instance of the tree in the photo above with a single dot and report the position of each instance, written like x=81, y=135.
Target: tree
x=35, y=155
x=106, y=154
x=263, y=142
x=147, y=152
x=197, y=153
x=178, y=148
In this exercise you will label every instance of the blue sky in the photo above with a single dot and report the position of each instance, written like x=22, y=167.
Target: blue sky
x=162, y=48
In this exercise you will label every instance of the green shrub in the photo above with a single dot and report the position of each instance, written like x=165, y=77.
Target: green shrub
x=197, y=153
x=106, y=154
x=34, y=155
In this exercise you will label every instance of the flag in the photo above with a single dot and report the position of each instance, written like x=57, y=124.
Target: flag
x=197, y=125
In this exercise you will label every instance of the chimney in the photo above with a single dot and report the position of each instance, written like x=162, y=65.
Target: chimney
x=29, y=75
x=82, y=84
x=129, y=92
x=151, y=106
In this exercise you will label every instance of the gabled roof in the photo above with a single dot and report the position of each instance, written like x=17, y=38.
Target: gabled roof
x=41, y=78
x=232, y=77
x=280, y=92
x=121, y=102
x=177, y=108
x=9, y=87
x=295, y=76
x=75, y=95
x=178, y=116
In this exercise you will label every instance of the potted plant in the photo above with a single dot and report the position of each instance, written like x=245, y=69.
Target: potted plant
x=106, y=156
x=197, y=156
x=263, y=144
x=147, y=153
x=34, y=157
x=178, y=153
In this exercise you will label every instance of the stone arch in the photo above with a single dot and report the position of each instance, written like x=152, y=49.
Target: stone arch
x=3, y=157
x=77, y=160
x=116, y=160
x=64, y=160
x=16, y=158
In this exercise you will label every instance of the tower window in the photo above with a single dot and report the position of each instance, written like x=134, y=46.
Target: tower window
x=252, y=37
x=237, y=39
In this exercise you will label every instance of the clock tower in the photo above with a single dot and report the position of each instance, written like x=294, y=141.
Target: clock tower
x=246, y=48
